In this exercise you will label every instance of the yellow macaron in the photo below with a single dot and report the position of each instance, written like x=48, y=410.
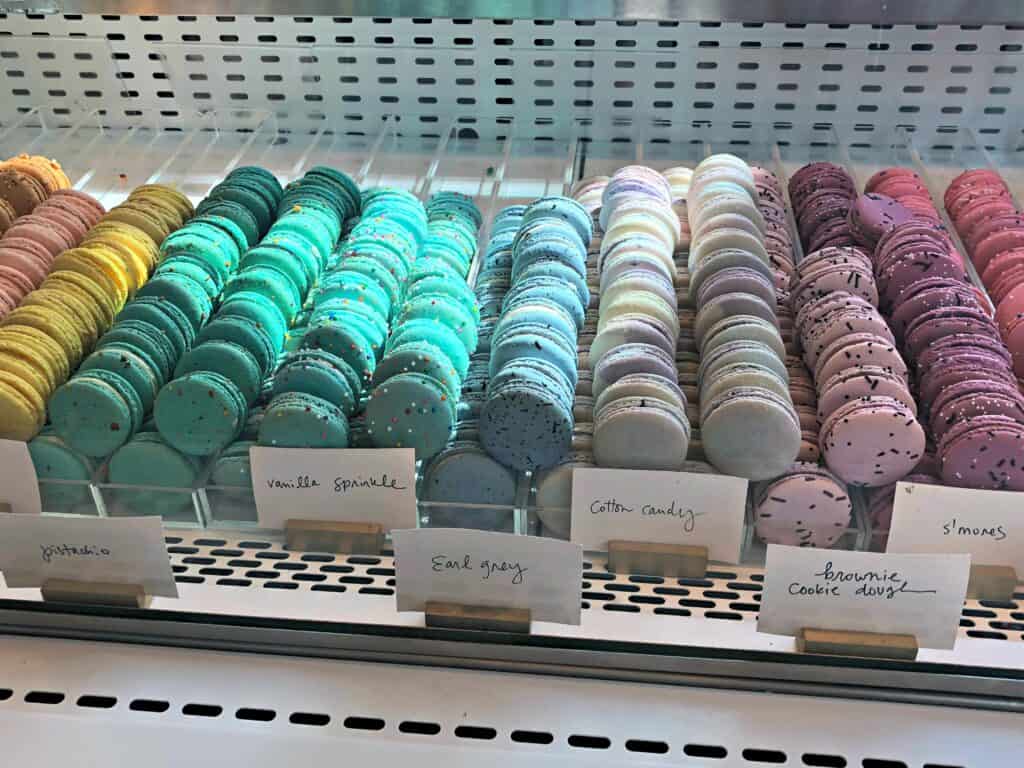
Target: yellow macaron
x=169, y=195
x=22, y=410
x=102, y=265
x=40, y=343
x=27, y=372
x=76, y=309
x=93, y=293
x=16, y=348
x=143, y=216
x=53, y=325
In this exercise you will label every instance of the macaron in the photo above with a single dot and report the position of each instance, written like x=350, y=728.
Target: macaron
x=872, y=441
x=200, y=413
x=300, y=420
x=807, y=506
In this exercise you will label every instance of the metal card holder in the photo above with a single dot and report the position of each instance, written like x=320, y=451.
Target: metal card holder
x=995, y=583
x=476, y=617
x=835, y=642
x=95, y=593
x=337, y=537
x=643, y=558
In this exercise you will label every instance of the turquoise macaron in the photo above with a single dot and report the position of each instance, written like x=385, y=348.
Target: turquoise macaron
x=96, y=412
x=54, y=459
x=146, y=339
x=228, y=227
x=246, y=333
x=266, y=255
x=192, y=266
x=368, y=320
x=410, y=410
x=184, y=293
x=345, y=338
x=131, y=365
x=237, y=213
x=149, y=460
x=439, y=335
x=379, y=272
x=419, y=357
x=347, y=285
x=272, y=283
x=230, y=360
x=441, y=309
x=258, y=308
x=563, y=208
x=299, y=420
x=232, y=469
x=200, y=413
x=458, y=290
x=317, y=372
x=163, y=315
x=212, y=243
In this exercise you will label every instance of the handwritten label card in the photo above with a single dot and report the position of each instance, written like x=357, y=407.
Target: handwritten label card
x=346, y=485
x=919, y=595
x=19, y=488
x=659, y=507
x=119, y=550
x=984, y=524
x=496, y=570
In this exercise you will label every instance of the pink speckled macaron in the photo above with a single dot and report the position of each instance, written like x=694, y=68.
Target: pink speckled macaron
x=867, y=381
x=971, y=399
x=984, y=452
x=872, y=441
x=806, y=507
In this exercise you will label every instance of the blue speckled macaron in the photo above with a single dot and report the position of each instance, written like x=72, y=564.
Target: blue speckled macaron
x=524, y=425
x=564, y=208
x=318, y=372
x=230, y=360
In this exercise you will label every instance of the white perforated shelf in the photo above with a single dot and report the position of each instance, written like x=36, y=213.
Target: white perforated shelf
x=607, y=79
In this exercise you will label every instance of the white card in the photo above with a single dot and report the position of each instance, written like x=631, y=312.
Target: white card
x=661, y=508
x=920, y=595
x=984, y=524
x=19, y=487
x=348, y=485
x=118, y=550
x=496, y=570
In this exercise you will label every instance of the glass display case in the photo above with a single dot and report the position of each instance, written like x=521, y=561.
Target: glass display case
x=503, y=107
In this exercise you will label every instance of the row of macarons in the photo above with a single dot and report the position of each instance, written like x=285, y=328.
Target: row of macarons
x=991, y=227
x=390, y=332
x=57, y=324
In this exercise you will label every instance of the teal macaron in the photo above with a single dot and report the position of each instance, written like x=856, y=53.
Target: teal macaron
x=228, y=227
x=200, y=413
x=410, y=410
x=246, y=333
x=232, y=469
x=272, y=283
x=439, y=335
x=149, y=460
x=376, y=271
x=248, y=194
x=184, y=293
x=131, y=365
x=369, y=321
x=319, y=373
x=230, y=360
x=299, y=420
x=237, y=213
x=146, y=339
x=95, y=412
x=308, y=226
x=213, y=243
x=165, y=316
x=54, y=459
x=259, y=309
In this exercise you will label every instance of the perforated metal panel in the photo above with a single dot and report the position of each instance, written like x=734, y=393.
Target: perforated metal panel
x=614, y=80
